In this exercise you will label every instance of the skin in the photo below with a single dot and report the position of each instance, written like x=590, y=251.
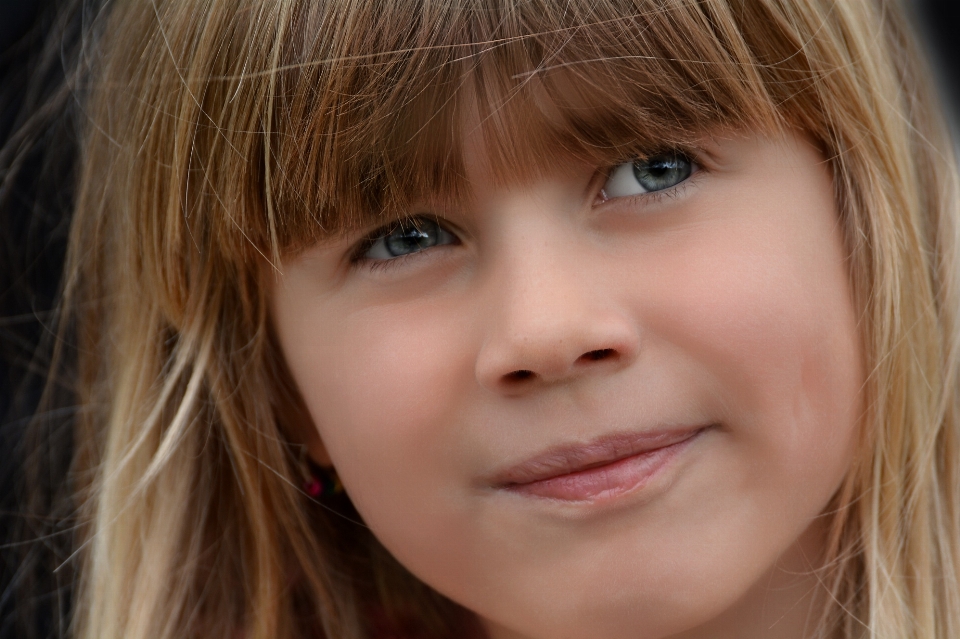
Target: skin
x=723, y=301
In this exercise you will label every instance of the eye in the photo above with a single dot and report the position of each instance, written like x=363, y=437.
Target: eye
x=655, y=173
x=406, y=237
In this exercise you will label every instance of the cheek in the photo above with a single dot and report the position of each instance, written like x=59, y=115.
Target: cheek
x=385, y=399
x=777, y=329
x=766, y=306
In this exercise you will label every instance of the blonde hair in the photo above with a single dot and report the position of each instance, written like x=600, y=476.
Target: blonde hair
x=223, y=135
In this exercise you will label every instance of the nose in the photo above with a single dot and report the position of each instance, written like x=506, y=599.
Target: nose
x=551, y=322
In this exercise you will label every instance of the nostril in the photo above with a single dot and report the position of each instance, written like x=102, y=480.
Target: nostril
x=519, y=376
x=603, y=353
x=524, y=374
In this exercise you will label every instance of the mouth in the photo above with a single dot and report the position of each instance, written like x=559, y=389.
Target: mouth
x=600, y=469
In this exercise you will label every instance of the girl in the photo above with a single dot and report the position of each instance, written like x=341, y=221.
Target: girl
x=612, y=319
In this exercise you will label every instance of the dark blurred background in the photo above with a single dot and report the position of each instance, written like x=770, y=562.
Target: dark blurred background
x=938, y=22
x=39, y=39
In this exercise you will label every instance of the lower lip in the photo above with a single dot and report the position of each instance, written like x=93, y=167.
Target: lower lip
x=607, y=481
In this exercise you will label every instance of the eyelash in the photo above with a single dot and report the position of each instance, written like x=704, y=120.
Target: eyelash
x=691, y=156
x=656, y=197
x=358, y=260
x=381, y=266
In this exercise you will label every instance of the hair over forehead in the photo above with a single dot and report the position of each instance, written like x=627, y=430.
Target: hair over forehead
x=372, y=99
x=304, y=118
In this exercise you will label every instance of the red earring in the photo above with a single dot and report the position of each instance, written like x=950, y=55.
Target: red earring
x=321, y=482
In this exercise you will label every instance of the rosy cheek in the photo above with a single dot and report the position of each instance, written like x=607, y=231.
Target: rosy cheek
x=771, y=316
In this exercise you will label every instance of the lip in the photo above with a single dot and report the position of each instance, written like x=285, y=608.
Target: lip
x=605, y=467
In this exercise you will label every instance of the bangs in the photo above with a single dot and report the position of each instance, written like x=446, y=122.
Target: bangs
x=371, y=108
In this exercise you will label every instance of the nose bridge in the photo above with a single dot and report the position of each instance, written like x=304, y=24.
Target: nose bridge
x=549, y=320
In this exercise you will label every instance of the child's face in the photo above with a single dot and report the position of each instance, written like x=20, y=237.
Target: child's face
x=706, y=332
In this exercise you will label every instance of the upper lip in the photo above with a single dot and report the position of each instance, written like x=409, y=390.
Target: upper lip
x=565, y=459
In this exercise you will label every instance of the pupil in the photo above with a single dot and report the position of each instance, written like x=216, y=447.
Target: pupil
x=658, y=169
x=410, y=239
x=661, y=172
